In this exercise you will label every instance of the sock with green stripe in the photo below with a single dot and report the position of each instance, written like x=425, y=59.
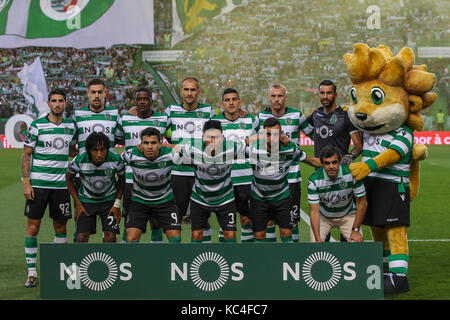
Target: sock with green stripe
x=60, y=238
x=246, y=234
x=31, y=249
x=271, y=235
x=157, y=236
x=174, y=239
x=207, y=234
x=221, y=238
x=398, y=264
x=386, y=254
x=295, y=233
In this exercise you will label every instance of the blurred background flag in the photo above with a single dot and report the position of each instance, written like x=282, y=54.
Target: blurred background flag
x=34, y=88
x=75, y=23
x=189, y=15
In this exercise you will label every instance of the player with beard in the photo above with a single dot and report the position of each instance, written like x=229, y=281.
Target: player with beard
x=47, y=145
x=332, y=127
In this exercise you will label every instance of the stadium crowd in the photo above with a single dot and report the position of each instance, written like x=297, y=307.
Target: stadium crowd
x=248, y=48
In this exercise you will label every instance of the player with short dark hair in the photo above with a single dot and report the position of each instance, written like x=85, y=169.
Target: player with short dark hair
x=132, y=125
x=270, y=197
x=152, y=195
x=212, y=158
x=332, y=127
x=99, y=192
x=47, y=145
x=331, y=190
x=238, y=128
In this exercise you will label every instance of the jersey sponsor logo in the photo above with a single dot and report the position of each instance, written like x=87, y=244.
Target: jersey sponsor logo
x=57, y=143
x=98, y=128
x=99, y=184
x=150, y=177
x=190, y=127
x=324, y=132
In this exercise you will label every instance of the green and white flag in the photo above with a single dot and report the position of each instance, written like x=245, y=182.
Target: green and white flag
x=190, y=15
x=75, y=23
x=34, y=87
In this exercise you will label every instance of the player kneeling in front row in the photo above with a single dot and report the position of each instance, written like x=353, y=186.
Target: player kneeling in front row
x=270, y=197
x=152, y=195
x=99, y=192
x=331, y=190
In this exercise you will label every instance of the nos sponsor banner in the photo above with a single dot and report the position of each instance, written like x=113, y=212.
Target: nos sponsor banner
x=212, y=271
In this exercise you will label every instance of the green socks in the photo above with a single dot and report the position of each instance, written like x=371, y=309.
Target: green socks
x=31, y=254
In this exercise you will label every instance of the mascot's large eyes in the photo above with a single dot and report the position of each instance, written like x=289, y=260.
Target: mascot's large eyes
x=353, y=94
x=377, y=95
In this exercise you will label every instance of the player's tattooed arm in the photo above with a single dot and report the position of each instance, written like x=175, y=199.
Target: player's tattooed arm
x=26, y=164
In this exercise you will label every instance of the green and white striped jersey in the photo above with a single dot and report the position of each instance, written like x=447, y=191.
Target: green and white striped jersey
x=335, y=197
x=270, y=172
x=402, y=141
x=213, y=186
x=106, y=121
x=132, y=127
x=51, y=144
x=238, y=130
x=97, y=184
x=292, y=122
x=151, y=179
x=186, y=125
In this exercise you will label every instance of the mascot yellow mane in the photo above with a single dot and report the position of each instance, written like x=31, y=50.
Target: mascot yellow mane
x=389, y=91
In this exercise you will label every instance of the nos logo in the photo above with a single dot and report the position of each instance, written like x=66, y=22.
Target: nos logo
x=97, y=271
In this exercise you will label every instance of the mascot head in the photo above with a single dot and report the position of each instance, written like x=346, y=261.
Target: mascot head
x=387, y=91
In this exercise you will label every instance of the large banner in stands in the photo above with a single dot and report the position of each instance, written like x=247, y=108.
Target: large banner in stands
x=244, y=271
x=75, y=23
x=425, y=137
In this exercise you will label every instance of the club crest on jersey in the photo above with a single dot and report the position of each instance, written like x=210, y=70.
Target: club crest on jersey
x=333, y=119
x=107, y=116
x=156, y=122
x=343, y=184
x=109, y=171
x=200, y=114
x=289, y=121
x=242, y=125
x=162, y=164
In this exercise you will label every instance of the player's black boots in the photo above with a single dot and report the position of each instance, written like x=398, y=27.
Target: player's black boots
x=395, y=284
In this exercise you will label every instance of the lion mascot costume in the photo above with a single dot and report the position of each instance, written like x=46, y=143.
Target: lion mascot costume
x=387, y=94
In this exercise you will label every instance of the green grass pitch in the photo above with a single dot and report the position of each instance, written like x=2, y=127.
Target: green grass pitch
x=429, y=233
